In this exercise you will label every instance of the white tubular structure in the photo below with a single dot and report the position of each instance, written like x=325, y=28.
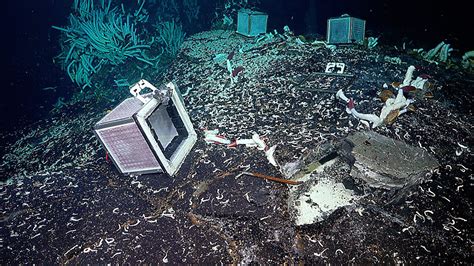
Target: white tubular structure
x=408, y=76
x=391, y=104
x=260, y=143
x=402, y=111
x=229, y=67
x=394, y=104
x=269, y=153
x=246, y=142
x=340, y=95
x=376, y=121
x=419, y=83
x=210, y=136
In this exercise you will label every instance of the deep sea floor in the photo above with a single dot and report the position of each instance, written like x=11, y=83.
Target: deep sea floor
x=65, y=203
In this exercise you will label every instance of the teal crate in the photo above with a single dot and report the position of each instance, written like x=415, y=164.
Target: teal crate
x=345, y=30
x=251, y=23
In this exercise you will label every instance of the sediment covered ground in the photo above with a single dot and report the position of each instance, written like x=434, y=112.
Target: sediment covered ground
x=65, y=203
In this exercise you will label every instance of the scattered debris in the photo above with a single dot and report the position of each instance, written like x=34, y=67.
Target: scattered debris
x=330, y=47
x=392, y=60
x=276, y=179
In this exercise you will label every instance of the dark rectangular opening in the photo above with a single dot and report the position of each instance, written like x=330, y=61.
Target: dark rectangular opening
x=167, y=127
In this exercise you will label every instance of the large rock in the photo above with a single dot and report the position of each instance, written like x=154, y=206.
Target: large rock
x=383, y=162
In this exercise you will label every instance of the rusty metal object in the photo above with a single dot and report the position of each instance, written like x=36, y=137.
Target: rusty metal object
x=429, y=95
x=391, y=117
x=386, y=94
x=396, y=85
x=272, y=178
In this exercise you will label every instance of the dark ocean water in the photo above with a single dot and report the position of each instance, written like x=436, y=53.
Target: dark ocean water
x=30, y=43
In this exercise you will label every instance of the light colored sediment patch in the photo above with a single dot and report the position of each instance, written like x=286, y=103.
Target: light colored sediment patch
x=320, y=196
x=321, y=200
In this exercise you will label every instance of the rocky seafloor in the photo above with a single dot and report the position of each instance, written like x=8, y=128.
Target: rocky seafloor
x=64, y=202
